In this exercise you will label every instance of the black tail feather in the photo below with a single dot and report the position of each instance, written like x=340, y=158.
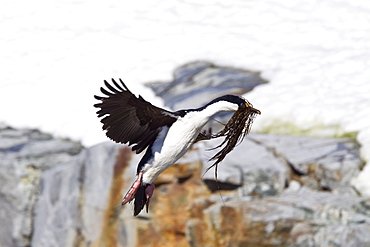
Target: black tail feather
x=140, y=199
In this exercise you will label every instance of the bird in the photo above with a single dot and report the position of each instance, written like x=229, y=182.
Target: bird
x=166, y=135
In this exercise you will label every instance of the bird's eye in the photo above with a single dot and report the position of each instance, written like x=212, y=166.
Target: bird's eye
x=243, y=105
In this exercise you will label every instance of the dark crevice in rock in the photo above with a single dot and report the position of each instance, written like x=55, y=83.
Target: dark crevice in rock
x=184, y=179
x=214, y=185
x=161, y=184
x=325, y=188
x=294, y=170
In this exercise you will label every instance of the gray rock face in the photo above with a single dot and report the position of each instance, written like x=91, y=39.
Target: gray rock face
x=318, y=163
x=80, y=201
x=24, y=156
x=260, y=173
x=272, y=161
x=54, y=194
x=302, y=218
x=198, y=83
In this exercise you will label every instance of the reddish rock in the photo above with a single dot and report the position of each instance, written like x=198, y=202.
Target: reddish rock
x=169, y=206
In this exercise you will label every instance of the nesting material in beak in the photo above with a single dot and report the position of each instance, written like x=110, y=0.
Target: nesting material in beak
x=234, y=131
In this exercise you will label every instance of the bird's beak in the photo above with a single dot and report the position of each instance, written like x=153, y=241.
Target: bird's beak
x=253, y=109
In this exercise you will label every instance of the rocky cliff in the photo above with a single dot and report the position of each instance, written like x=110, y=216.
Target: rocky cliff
x=271, y=191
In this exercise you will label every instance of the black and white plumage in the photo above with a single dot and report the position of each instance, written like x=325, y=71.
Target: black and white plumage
x=165, y=135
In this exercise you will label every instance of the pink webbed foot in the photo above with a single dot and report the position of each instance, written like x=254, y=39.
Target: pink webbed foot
x=130, y=195
x=149, y=192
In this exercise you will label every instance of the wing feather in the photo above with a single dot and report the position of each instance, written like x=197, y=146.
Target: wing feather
x=118, y=86
x=111, y=88
x=130, y=119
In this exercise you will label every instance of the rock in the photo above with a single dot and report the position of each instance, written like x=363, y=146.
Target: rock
x=197, y=83
x=258, y=173
x=319, y=163
x=272, y=161
x=305, y=218
x=81, y=200
x=168, y=212
x=24, y=155
x=54, y=194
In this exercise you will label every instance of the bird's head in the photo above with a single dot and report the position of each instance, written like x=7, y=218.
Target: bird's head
x=233, y=103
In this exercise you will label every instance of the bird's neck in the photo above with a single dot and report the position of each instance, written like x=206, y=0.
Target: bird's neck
x=220, y=106
x=202, y=115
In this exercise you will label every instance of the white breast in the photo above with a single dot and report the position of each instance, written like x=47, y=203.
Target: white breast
x=171, y=144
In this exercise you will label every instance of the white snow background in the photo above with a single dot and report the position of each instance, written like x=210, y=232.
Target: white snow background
x=54, y=56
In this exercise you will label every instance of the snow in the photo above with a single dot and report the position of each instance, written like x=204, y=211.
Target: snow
x=315, y=54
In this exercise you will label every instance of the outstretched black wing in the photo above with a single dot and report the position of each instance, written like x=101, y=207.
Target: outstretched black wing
x=130, y=119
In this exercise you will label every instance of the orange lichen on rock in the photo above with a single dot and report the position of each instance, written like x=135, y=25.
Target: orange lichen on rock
x=109, y=235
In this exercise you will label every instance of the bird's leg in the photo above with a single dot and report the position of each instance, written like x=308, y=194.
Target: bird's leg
x=208, y=133
x=205, y=135
x=130, y=195
x=149, y=192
